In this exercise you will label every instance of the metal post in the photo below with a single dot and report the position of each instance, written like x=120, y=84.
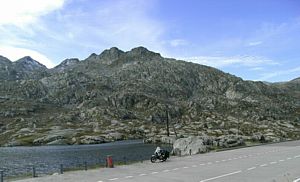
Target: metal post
x=61, y=169
x=167, y=113
x=33, y=172
x=190, y=151
x=141, y=159
x=85, y=166
x=1, y=175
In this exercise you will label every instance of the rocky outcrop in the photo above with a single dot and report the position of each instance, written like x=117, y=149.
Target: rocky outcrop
x=55, y=137
x=66, y=64
x=91, y=140
x=201, y=144
x=27, y=64
x=229, y=141
x=189, y=146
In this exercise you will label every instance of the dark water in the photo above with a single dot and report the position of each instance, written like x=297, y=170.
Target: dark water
x=17, y=161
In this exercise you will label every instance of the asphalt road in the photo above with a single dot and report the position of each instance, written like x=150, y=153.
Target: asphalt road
x=274, y=163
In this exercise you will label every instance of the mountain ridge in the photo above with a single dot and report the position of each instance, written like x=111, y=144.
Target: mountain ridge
x=125, y=95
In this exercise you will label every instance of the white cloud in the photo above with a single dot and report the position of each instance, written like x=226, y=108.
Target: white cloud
x=81, y=29
x=255, y=43
x=21, y=13
x=124, y=24
x=18, y=21
x=269, y=76
x=222, y=61
x=178, y=42
x=14, y=53
x=256, y=69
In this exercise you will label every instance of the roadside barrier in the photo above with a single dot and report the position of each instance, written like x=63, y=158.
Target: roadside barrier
x=33, y=172
x=38, y=170
x=61, y=169
x=1, y=176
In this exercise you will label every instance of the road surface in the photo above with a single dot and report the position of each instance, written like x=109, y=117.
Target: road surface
x=274, y=163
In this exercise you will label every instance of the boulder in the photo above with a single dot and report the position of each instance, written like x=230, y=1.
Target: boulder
x=24, y=131
x=91, y=140
x=168, y=139
x=58, y=142
x=191, y=145
x=47, y=139
x=55, y=135
x=116, y=136
x=228, y=141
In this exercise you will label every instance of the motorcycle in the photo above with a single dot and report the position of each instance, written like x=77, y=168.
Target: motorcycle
x=164, y=155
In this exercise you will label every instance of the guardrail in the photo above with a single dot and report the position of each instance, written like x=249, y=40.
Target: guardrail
x=34, y=170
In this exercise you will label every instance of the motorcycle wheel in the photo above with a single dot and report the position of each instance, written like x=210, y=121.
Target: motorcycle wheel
x=153, y=159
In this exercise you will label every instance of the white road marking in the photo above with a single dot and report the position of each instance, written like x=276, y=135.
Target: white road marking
x=194, y=165
x=221, y=176
x=142, y=174
x=100, y=181
x=251, y=168
x=217, y=161
x=201, y=164
x=209, y=163
x=129, y=177
x=167, y=170
x=175, y=169
x=229, y=159
x=297, y=180
x=185, y=167
x=154, y=172
x=224, y=160
x=281, y=160
x=296, y=156
x=113, y=179
x=288, y=158
x=274, y=162
x=263, y=165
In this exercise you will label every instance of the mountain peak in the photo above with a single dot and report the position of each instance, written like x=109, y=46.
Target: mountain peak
x=296, y=80
x=4, y=60
x=69, y=61
x=26, y=58
x=142, y=51
x=110, y=55
x=66, y=64
x=29, y=64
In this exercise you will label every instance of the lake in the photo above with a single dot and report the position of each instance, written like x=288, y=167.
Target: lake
x=16, y=161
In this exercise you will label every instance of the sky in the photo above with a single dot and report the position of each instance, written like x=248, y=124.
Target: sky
x=252, y=39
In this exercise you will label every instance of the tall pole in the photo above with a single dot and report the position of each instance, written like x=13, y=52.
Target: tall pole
x=167, y=113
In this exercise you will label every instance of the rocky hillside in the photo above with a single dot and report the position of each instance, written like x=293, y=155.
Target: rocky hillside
x=128, y=95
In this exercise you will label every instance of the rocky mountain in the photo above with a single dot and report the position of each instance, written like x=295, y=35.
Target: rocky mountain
x=24, y=68
x=128, y=95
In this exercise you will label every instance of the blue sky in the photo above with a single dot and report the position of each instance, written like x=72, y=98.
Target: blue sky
x=252, y=39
